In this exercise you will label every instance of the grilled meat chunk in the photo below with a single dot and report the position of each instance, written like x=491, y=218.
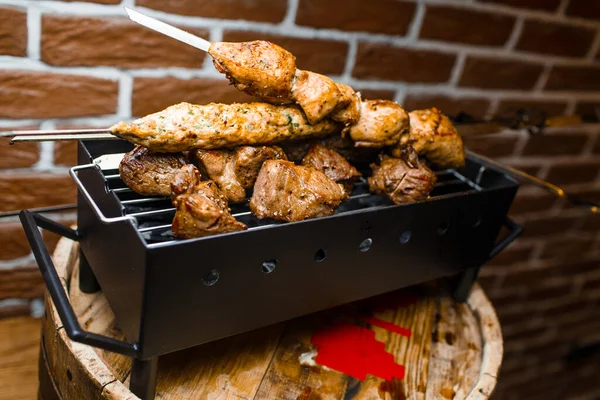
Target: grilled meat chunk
x=201, y=208
x=289, y=192
x=297, y=150
x=403, y=180
x=235, y=171
x=348, y=110
x=434, y=137
x=186, y=126
x=381, y=123
x=317, y=94
x=259, y=68
x=332, y=164
x=150, y=173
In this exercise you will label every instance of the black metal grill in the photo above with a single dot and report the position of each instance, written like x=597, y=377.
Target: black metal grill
x=168, y=294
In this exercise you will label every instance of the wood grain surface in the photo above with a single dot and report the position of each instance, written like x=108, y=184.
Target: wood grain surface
x=434, y=348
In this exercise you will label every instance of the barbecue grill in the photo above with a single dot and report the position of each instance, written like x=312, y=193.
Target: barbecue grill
x=274, y=271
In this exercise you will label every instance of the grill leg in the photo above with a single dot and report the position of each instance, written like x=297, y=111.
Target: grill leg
x=87, y=280
x=143, y=378
x=464, y=283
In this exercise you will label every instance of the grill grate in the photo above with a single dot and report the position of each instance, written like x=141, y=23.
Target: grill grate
x=155, y=214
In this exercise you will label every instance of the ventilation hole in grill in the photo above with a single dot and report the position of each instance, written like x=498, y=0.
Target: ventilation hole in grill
x=211, y=278
x=405, y=237
x=320, y=255
x=365, y=245
x=268, y=266
x=443, y=228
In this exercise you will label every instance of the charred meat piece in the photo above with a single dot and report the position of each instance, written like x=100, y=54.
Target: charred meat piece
x=381, y=123
x=332, y=164
x=403, y=180
x=186, y=126
x=434, y=137
x=201, y=208
x=234, y=171
x=289, y=192
x=150, y=173
x=259, y=68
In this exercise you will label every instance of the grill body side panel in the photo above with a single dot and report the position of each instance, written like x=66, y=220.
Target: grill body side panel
x=445, y=237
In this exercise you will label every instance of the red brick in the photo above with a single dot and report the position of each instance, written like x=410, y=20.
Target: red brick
x=543, y=5
x=65, y=153
x=76, y=41
x=588, y=9
x=582, y=267
x=556, y=144
x=556, y=39
x=548, y=225
x=492, y=73
x=23, y=191
x=319, y=55
x=21, y=155
x=528, y=275
x=97, y=1
x=379, y=61
x=588, y=111
x=449, y=105
x=21, y=282
x=492, y=145
x=533, y=170
x=525, y=203
x=374, y=94
x=591, y=223
x=461, y=25
x=569, y=247
x=14, y=310
x=510, y=107
x=154, y=94
x=380, y=16
x=574, y=78
x=573, y=172
x=14, y=242
x=512, y=255
x=47, y=95
x=13, y=32
x=251, y=10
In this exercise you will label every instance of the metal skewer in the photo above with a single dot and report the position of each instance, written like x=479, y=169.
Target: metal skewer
x=62, y=137
x=41, y=132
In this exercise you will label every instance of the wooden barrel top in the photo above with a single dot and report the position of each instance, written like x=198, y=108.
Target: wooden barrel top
x=415, y=343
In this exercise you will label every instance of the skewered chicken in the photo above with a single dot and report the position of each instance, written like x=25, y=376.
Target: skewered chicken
x=403, y=180
x=331, y=164
x=268, y=71
x=201, y=208
x=381, y=123
x=434, y=137
x=289, y=192
x=234, y=171
x=150, y=173
x=186, y=126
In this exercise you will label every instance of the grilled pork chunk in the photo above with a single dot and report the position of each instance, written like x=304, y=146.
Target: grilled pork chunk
x=235, y=171
x=403, y=180
x=297, y=150
x=201, y=208
x=150, y=173
x=381, y=123
x=186, y=126
x=332, y=164
x=289, y=192
x=434, y=137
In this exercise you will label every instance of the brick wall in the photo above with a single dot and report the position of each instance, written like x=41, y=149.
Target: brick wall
x=83, y=64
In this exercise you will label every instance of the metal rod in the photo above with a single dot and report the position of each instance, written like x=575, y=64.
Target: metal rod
x=63, y=137
x=40, y=132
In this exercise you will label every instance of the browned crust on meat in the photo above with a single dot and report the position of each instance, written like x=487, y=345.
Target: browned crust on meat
x=381, y=123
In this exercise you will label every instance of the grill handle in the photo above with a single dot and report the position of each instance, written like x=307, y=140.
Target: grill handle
x=31, y=222
x=515, y=231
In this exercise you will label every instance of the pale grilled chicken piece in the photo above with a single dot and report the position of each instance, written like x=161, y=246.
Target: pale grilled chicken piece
x=201, y=208
x=185, y=126
x=348, y=110
x=403, y=180
x=332, y=164
x=150, y=173
x=381, y=123
x=234, y=171
x=289, y=192
x=317, y=94
x=259, y=68
x=434, y=137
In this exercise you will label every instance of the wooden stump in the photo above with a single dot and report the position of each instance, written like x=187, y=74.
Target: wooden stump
x=411, y=344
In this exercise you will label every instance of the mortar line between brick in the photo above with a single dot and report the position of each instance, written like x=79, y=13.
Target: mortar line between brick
x=16, y=262
x=515, y=34
x=415, y=26
x=543, y=78
x=34, y=32
x=125, y=95
x=350, y=59
x=457, y=69
x=594, y=48
x=290, y=16
x=570, y=109
x=562, y=7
